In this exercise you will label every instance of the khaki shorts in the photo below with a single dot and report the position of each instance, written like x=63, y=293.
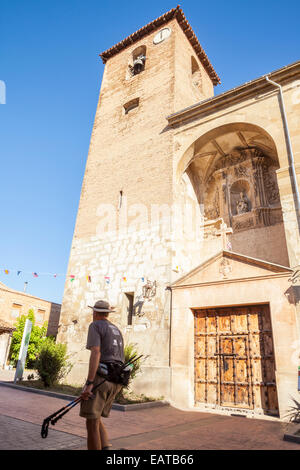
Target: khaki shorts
x=103, y=401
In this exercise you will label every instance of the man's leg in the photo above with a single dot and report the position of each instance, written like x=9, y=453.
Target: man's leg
x=93, y=434
x=103, y=435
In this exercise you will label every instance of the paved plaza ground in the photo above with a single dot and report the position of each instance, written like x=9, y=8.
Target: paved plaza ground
x=165, y=428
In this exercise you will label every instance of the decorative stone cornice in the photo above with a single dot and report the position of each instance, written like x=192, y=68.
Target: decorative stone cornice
x=235, y=95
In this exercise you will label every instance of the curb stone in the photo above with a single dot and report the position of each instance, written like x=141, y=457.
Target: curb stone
x=139, y=406
x=63, y=396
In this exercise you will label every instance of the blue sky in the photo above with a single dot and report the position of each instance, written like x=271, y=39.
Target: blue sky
x=49, y=62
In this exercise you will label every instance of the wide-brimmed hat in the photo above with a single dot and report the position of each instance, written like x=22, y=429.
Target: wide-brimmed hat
x=102, y=306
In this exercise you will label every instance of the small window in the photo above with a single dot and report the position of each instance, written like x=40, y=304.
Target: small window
x=16, y=310
x=195, y=66
x=40, y=315
x=128, y=304
x=196, y=74
x=120, y=200
x=131, y=105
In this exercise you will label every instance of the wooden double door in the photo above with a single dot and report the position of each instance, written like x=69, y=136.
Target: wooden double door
x=234, y=358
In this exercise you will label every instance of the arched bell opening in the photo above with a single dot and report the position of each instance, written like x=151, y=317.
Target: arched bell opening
x=137, y=62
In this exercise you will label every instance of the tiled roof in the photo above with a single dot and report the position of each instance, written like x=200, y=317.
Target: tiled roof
x=4, y=326
x=150, y=27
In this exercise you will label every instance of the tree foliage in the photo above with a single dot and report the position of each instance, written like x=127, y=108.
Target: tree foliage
x=52, y=362
x=37, y=337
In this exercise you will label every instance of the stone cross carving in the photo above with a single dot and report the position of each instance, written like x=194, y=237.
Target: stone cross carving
x=223, y=232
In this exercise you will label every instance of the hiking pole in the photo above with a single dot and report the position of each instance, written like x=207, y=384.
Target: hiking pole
x=65, y=409
x=46, y=422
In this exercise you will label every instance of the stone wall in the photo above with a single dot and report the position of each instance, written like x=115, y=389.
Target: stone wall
x=257, y=112
x=14, y=303
x=127, y=223
x=263, y=288
x=5, y=339
x=135, y=178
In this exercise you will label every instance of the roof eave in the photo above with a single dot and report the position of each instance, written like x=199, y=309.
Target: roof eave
x=178, y=14
x=234, y=95
x=274, y=268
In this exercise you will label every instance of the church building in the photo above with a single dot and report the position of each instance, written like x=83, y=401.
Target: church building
x=189, y=224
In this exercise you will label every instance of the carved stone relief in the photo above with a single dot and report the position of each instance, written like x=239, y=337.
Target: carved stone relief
x=225, y=268
x=271, y=186
x=242, y=205
x=212, y=211
x=240, y=171
x=242, y=189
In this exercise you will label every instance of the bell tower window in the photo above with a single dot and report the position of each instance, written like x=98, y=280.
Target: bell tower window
x=137, y=61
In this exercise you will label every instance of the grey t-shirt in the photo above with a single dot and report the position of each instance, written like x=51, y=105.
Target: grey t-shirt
x=106, y=335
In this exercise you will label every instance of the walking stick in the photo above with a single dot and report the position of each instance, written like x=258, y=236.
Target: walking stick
x=65, y=409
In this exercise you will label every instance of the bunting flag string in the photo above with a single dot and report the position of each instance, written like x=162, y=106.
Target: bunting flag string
x=71, y=277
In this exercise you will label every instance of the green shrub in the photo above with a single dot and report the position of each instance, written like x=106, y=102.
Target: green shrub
x=52, y=362
x=37, y=336
x=129, y=351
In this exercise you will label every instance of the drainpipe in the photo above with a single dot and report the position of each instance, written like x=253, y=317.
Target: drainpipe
x=290, y=153
x=169, y=288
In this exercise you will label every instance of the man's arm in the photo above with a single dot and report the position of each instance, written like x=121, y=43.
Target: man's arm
x=93, y=366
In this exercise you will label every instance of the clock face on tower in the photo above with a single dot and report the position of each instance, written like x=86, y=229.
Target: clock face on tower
x=162, y=35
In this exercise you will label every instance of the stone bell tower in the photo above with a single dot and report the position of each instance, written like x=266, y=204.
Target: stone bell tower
x=120, y=251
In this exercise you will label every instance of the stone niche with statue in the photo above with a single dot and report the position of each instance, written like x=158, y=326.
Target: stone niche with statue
x=242, y=189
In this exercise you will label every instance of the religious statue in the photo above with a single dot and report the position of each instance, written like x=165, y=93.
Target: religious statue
x=242, y=204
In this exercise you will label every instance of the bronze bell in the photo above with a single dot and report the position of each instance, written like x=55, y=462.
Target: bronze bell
x=138, y=65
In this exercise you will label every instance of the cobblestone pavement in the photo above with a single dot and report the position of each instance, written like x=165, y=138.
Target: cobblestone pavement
x=166, y=428
x=16, y=434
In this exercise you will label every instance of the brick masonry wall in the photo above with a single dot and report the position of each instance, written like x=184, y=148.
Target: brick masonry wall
x=132, y=153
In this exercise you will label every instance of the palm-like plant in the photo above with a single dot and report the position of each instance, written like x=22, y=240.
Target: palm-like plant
x=129, y=352
x=294, y=414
